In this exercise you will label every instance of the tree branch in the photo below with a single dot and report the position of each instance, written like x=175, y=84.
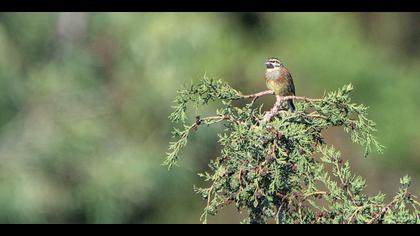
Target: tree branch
x=257, y=95
x=383, y=211
x=279, y=99
x=218, y=119
x=274, y=111
x=306, y=99
x=269, y=92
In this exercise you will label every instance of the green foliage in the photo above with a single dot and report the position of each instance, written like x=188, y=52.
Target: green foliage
x=84, y=101
x=284, y=169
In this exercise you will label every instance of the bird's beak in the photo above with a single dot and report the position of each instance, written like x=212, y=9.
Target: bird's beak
x=269, y=65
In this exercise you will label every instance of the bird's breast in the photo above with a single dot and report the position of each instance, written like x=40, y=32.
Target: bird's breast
x=272, y=75
x=276, y=81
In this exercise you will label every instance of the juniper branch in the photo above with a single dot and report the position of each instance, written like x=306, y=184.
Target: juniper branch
x=270, y=170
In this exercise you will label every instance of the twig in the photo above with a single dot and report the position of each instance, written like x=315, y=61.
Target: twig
x=257, y=95
x=269, y=92
x=199, y=121
x=416, y=202
x=306, y=99
x=220, y=118
x=274, y=111
x=317, y=115
x=383, y=211
x=315, y=193
x=240, y=179
x=279, y=99
x=360, y=208
x=345, y=184
x=209, y=195
x=280, y=211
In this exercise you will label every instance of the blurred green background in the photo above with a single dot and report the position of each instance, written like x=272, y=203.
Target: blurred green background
x=84, y=101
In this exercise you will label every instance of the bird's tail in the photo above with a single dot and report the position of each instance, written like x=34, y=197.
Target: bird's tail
x=291, y=105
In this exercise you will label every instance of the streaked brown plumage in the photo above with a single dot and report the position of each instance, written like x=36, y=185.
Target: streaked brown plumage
x=279, y=80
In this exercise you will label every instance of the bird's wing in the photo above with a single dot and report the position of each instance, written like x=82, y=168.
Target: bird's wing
x=290, y=83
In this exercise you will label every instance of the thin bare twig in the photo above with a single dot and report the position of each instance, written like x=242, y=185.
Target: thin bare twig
x=306, y=99
x=315, y=193
x=269, y=92
x=257, y=95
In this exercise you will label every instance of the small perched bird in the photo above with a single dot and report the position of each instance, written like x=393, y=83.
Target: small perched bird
x=279, y=80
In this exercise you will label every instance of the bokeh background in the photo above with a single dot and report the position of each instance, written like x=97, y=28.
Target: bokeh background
x=85, y=99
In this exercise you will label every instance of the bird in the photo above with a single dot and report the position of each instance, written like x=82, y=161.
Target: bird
x=279, y=80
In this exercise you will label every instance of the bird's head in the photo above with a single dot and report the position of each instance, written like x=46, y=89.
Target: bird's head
x=273, y=63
